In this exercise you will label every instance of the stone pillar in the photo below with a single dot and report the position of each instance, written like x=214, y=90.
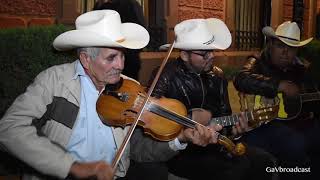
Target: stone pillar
x=172, y=19
x=67, y=11
x=230, y=19
x=309, y=18
x=276, y=13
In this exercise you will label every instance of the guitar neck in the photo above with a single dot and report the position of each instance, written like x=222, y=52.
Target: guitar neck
x=310, y=97
x=230, y=120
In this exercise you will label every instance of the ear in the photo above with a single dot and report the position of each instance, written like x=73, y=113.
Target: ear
x=84, y=59
x=184, y=55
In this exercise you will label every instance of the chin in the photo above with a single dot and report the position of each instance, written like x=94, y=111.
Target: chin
x=113, y=80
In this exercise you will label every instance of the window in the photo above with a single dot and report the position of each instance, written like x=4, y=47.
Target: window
x=250, y=18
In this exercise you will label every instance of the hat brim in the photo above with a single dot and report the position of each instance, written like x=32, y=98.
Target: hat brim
x=184, y=46
x=136, y=37
x=221, y=33
x=269, y=32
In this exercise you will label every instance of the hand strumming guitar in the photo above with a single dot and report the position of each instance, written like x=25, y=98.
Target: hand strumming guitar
x=289, y=88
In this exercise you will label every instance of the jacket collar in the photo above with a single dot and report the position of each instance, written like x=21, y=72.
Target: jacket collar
x=72, y=81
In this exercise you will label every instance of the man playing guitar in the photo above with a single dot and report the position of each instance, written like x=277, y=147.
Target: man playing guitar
x=277, y=76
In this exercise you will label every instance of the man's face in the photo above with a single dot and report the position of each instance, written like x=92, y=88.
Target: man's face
x=106, y=67
x=201, y=61
x=282, y=55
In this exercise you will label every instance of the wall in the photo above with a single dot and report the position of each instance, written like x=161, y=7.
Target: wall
x=282, y=10
x=308, y=7
x=188, y=9
x=23, y=13
x=179, y=10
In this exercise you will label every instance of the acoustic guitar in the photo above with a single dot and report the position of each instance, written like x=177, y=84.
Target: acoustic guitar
x=255, y=117
x=289, y=107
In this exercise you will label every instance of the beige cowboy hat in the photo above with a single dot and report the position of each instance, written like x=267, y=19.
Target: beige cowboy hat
x=201, y=34
x=287, y=32
x=102, y=28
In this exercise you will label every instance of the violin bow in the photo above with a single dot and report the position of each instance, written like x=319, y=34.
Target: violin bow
x=135, y=123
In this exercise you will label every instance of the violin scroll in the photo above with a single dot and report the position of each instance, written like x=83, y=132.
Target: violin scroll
x=235, y=149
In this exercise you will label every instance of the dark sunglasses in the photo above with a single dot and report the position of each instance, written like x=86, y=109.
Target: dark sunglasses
x=205, y=55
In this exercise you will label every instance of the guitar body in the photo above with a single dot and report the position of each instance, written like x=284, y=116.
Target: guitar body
x=289, y=107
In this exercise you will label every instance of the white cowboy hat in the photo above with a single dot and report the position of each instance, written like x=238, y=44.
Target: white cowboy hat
x=287, y=32
x=102, y=28
x=201, y=34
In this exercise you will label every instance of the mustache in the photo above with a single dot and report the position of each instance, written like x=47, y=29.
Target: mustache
x=114, y=72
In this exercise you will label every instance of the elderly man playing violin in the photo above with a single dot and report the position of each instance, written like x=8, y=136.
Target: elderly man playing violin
x=54, y=127
x=202, y=88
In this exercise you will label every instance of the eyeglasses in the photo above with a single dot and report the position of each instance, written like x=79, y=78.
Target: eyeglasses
x=205, y=55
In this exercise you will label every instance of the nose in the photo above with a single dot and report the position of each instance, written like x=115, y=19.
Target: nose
x=285, y=49
x=209, y=56
x=118, y=63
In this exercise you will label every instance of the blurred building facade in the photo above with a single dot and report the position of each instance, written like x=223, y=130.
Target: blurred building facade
x=245, y=18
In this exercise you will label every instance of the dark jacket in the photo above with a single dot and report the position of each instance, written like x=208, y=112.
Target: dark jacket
x=208, y=91
x=260, y=77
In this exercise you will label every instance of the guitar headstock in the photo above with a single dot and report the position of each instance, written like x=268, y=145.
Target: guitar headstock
x=264, y=115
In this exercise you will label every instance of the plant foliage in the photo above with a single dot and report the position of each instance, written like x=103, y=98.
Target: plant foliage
x=24, y=53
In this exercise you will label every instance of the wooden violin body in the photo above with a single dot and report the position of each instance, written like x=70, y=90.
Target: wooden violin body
x=120, y=107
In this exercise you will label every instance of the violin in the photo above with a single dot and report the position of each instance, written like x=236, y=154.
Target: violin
x=163, y=118
x=119, y=107
x=146, y=113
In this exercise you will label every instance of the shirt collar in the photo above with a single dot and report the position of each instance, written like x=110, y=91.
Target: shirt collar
x=79, y=70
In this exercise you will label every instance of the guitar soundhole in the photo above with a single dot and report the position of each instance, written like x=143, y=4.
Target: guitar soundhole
x=292, y=106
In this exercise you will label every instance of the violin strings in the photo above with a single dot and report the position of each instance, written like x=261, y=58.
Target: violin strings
x=161, y=111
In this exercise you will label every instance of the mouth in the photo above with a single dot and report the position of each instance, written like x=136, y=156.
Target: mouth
x=114, y=73
x=283, y=58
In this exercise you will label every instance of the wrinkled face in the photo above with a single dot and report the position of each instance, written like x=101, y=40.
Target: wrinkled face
x=199, y=60
x=105, y=68
x=282, y=55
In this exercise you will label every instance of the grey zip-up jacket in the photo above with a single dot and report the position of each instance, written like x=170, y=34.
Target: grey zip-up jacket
x=37, y=127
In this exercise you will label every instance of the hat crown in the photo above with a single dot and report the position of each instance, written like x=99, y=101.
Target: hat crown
x=102, y=28
x=289, y=30
x=193, y=31
x=107, y=23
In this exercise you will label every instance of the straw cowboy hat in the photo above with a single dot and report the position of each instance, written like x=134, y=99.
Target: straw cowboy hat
x=287, y=32
x=201, y=34
x=102, y=28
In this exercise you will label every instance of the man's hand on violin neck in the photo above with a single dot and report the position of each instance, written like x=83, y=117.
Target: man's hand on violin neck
x=200, y=135
x=99, y=170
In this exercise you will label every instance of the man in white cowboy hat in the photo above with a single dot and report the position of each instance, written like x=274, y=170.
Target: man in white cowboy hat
x=202, y=88
x=54, y=127
x=278, y=70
